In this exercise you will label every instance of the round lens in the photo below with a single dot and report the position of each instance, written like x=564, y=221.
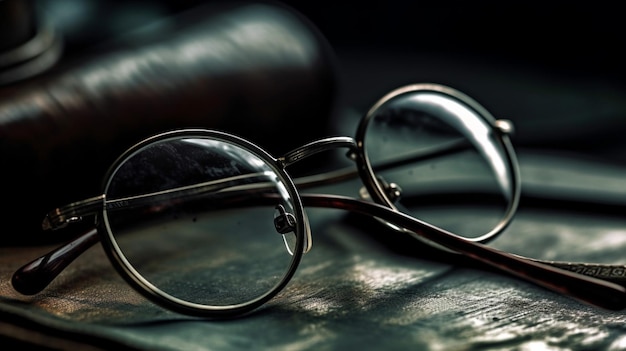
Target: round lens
x=203, y=220
x=437, y=155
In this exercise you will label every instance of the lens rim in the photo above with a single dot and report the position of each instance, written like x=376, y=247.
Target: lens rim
x=378, y=194
x=158, y=296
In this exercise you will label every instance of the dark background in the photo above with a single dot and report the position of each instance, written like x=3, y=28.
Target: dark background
x=555, y=68
x=564, y=36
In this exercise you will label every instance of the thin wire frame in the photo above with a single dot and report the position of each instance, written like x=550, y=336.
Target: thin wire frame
x=36, y=275
x=500, y=130
x=162, y=298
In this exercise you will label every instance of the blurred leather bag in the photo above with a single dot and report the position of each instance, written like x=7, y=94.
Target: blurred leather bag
x=256, y=70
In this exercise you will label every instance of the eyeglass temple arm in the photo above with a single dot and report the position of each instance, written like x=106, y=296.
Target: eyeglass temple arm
x=61, y=217
x=36, y=275
x=350, y=172
x=591, y=290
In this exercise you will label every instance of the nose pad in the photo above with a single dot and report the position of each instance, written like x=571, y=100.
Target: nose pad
x=285, y=224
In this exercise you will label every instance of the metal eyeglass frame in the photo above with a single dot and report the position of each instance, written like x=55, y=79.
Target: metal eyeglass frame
x=557, y=276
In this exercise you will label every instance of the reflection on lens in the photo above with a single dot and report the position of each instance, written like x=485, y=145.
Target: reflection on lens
x=452, y=170
x=196, y=218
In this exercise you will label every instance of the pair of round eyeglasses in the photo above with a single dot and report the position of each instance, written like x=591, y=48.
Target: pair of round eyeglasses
x=208, y=224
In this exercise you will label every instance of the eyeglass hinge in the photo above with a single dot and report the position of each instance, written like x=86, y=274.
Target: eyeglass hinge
x=59, y=222
x=505, y=126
